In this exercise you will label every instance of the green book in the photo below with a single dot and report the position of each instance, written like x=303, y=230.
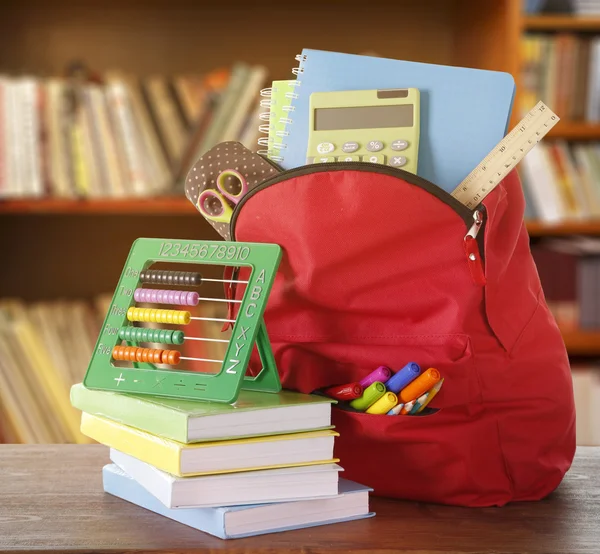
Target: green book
x=254, y=414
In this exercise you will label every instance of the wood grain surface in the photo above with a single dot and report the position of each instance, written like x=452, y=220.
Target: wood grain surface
x=51, y=499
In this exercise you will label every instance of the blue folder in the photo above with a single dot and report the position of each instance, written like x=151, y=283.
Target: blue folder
x=214, y=520
x=464, y=112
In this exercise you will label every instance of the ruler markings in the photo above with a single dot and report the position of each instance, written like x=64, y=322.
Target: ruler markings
x=505, y=155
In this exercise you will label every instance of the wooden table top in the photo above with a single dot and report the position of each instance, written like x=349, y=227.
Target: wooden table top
x=51, y=499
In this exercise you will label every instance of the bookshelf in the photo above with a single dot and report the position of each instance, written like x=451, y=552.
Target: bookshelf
x=561, y=23
x=582, y=343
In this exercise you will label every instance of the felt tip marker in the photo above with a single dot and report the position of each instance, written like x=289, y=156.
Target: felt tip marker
x=403, y=377
x=420, y=385
x=384, y=404
x=344, y=392
x=381, y=374
x=370, y=395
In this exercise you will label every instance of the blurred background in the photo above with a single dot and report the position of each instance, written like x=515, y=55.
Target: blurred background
x=104, y=106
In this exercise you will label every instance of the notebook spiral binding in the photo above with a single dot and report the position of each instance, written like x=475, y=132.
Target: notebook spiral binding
x=273, y=146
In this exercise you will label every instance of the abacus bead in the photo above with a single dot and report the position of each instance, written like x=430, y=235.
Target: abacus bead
x=138, y=294
x=130, y=313
x=177, y=337
x=184, y=318
x=138, y=354
x=193, y=298
x=195, y=279
x=157, y=356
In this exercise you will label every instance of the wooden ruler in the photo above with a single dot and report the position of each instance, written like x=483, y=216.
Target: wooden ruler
x=505, y=156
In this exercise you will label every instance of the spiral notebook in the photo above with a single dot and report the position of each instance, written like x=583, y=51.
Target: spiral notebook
x=277, y=98
x=464, y=112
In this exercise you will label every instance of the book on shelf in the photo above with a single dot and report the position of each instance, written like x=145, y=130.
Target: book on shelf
x=562, y=70
x=569, y=271
x=562, y=181
x=118, y=136
x=45, y=348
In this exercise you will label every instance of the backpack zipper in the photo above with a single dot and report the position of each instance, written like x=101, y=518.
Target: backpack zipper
x=474, y=219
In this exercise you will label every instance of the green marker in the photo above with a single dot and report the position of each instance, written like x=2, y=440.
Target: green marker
x=370, y=395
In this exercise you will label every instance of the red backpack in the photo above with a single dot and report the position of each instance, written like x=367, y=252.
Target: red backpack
x=379, y=268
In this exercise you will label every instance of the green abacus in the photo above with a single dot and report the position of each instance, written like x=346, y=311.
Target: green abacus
x=248, y=328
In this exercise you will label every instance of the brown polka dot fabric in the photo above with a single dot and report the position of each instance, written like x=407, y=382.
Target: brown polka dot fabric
x=226, y=155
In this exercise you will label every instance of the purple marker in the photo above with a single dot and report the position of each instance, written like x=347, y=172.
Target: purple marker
x=403, y=377
x=381, y=374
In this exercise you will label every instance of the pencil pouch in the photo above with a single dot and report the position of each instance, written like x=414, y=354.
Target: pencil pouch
x=381, y=267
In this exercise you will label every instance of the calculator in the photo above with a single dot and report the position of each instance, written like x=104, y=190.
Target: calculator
x=373, y=126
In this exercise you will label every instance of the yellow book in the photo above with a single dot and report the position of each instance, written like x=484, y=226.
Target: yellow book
x=208, y=458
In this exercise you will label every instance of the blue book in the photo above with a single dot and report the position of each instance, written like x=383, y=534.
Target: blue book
x=464, y=112
x=352, y=502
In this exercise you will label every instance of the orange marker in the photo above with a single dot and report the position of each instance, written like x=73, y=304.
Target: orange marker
x=420, y=385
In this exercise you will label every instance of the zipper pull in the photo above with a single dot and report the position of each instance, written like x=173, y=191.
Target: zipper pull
x=472, y=250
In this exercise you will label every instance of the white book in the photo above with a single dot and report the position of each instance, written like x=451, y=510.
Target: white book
x=229, y=522
x=244, y=105
x=231, y=489
x=124, y=124
x=540, y=177
x=31, y=137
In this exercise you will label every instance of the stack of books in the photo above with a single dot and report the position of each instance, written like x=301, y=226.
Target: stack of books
x=261, y=465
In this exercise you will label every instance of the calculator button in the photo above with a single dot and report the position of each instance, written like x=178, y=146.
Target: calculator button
x=325, y=160
x=397, y=161
x=350, y=147
x=374, y=146
x=349, y=159
x=374, y=159
x=400, y=145
x=325, y=148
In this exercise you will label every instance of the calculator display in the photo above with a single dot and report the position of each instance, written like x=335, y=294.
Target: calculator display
x=363, y=117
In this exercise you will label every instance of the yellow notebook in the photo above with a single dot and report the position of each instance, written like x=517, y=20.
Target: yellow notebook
x=207, y=458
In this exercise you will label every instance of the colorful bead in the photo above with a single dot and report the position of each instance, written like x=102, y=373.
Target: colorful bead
x=174, y=317
x=158, y=296
x=166, y=277
x=148, y=355
x=144, y=334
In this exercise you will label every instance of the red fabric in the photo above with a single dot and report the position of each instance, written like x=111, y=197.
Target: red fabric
x=375, y=272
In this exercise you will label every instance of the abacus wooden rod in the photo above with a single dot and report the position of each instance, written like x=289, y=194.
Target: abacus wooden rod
x=206, y=339
x=220, y=300
x=224, y=280
x=202, y=360
x=219, y=319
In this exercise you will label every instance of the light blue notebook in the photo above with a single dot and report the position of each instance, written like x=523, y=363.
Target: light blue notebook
x=464, y=112
x=235, y=522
